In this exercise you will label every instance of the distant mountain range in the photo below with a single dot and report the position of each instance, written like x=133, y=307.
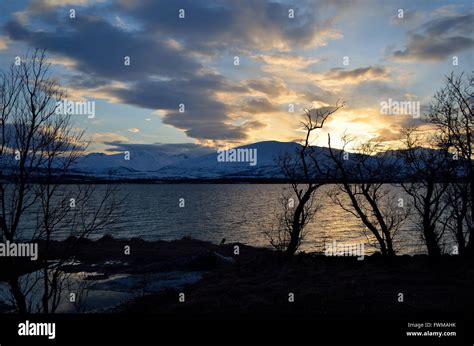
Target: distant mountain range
x=144, y=164
x=153, y=163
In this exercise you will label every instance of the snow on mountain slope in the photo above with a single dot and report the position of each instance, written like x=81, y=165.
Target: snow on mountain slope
x=139, y=161
x=208, y=166
x=152, y=164
x=172, y=162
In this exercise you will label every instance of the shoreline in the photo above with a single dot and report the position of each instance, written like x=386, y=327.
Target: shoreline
x=81, y=179
x=216, y=281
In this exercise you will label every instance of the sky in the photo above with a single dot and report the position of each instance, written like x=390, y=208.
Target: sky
x=240, y=68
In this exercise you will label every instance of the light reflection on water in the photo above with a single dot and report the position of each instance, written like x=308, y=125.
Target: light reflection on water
x=237, y=212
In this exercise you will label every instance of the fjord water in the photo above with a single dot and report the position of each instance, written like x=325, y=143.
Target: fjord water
x=236, y=212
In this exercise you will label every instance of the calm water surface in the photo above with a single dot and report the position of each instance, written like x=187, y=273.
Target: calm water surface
x=236, y=212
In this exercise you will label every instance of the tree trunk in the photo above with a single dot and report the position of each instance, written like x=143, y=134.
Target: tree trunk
x=294, y=240
x=429, y=229
x=295, y=231
x=298, y=223
x=431, y=241
x=388, y=240
x=20, y=299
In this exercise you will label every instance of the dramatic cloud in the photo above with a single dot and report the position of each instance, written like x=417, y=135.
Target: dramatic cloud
x=233, y=24
x=438, y=39
x=371, y=93
x=358, y=74
x=99, y=49
x=162, y=73
x=201, y=115
x=182, y=73
x=258, y=105
x=188, y=149
x=270, y=86
x=160, y=76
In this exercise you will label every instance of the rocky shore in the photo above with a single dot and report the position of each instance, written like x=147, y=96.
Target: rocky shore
x=190, y=277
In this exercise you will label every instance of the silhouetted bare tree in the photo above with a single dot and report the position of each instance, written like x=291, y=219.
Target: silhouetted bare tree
x=38, y=149
x=452, y=113
x=363, y=175
x=304, y=174
x=429, y=172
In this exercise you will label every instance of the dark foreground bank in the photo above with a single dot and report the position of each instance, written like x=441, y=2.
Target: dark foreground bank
x=311, y=299
x=236, y=279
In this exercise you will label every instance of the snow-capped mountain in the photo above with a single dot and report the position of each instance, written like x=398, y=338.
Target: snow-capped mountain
x=252, y=161
x=155, y=164
x=257, y=160
x=209, y=166
x=140, y=161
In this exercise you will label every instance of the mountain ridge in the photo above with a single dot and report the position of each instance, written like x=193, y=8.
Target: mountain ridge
x=143, y=164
